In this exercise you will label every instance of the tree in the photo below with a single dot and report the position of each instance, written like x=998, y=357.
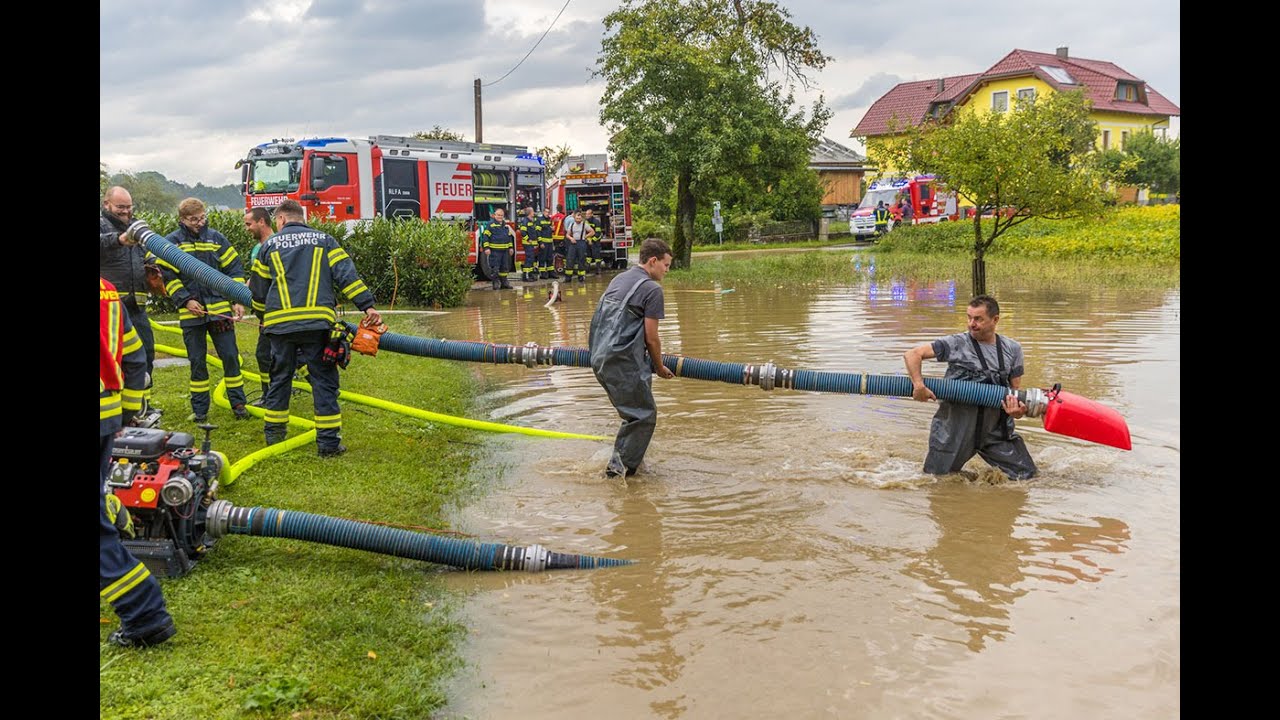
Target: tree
x=553, y=157
x=690, y=99
x=104, y=179
x=149, y=191
x=438, y=133
x=1159, y=162
x=1036, y=160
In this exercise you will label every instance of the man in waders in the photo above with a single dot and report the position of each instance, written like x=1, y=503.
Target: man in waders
x=960, y=430
x=625, y=351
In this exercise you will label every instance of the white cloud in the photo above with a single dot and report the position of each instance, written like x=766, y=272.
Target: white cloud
x=210, y=80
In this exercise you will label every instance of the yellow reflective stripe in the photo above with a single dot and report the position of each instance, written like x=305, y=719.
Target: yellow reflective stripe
x=222, y=308
x=277, y=416
x=260, y=269
x=131, y=342
x=259, y=307
x=115, y=323
x=336, y=256
x=228, y=256
x=199, y=386
x=281, y=286
x=131, y=399
x=242, y=280
x=200, y=247
x=131, y=579
x=299, y=313
x=108, y=405
x=325, y=422
x=173, y=286
x=162, y=263
x=354, y=289
x=234, y=381
x=313, y=283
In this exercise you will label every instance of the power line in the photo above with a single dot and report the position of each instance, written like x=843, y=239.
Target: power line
x=535, y=46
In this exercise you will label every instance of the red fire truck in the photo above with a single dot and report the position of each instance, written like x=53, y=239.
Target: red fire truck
x=587, y=181
x=352, y=179
x=929, y=204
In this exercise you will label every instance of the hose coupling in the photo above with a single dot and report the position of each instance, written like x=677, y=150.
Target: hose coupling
x=1036, y=399
x=531, y=354
x=535, y=558
x=767, y=375
x=217, y=521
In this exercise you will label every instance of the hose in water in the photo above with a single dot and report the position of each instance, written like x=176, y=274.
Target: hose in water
x=767, y=376
x=227, y=519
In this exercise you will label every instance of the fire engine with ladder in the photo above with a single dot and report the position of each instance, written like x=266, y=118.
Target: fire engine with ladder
x=587, y=181
x=352, y=179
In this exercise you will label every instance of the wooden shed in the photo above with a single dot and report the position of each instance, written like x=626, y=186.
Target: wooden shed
x=840, y=170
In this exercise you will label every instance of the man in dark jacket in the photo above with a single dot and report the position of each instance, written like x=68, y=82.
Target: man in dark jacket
x=122, y=262
x=296, y=282
x=202, y=312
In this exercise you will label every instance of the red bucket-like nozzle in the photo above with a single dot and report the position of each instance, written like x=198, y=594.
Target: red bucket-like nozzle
x=1080, y=417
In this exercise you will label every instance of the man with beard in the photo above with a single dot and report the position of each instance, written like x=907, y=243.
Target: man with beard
x=122, y=262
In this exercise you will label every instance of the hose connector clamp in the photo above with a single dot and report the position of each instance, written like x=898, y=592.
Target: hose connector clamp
x=531, y=353
x=1036, y=400
x=217, y=521
x=535, y=558
x=767, y=373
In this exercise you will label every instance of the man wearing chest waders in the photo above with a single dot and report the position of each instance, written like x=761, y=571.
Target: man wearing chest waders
x=625, y=351
x=959, y=431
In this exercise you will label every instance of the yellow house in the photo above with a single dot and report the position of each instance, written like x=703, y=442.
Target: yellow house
x=1123, y=104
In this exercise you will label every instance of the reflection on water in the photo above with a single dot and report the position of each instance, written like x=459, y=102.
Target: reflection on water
x=794, y=561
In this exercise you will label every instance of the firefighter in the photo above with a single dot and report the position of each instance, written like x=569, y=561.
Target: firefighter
x=595, y=258
x=626, y=351
x=499, y=248
x=123, y=581
x=258, y=222
x=578, y=233
x=882, y=219
x=531, y=232
x=546, y=248
x=295, y=283
x=202, y=312
x=557, y=237
x=122, y=262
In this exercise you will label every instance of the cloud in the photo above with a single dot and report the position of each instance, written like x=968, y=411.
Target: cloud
x=187, y=87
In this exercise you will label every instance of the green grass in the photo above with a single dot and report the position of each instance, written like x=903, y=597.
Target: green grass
x=769, y=245
x=271, y=628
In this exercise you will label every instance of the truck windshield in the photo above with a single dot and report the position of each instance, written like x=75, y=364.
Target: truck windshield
x=873, y=197
x=277, y=175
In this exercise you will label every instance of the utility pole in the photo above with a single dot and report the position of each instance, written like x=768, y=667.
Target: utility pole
x=479, y=115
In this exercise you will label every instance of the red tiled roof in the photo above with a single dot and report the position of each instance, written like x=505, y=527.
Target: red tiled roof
x=909, y=102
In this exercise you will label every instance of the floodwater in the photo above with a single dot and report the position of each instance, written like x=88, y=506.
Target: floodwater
x=793, y=560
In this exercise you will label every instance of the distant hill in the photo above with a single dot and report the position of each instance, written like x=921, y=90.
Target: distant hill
x=159, y=193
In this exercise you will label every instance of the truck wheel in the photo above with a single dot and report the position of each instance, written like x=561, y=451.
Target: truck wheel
x=620, y=263
x=483, y=271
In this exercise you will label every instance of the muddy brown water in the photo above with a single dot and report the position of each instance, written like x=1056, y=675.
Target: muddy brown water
x=793, y=560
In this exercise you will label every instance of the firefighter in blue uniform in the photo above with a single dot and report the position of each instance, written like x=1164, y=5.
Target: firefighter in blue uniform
x=295, y=284
x=123, y=581
x=595, y=256
x=546, y=248
x=531, y=232
x=882, y=219
x=499, y=248
x=202, y=312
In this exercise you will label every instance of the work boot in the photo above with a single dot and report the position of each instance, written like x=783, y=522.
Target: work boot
x=331, y=452
x=161, y=633
x=240, y=412
x=505, y=285
x=582, y=279
x=496, y=284
x=196, y=417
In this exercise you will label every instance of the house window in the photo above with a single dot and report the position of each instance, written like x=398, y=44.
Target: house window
x=1000, y=101
x=1124, y=138
x=1106, y=139
x=1126, y=91
x=1026, y=96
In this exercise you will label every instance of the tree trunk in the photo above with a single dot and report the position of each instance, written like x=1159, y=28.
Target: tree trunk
x=979, y=265
x=686, y=209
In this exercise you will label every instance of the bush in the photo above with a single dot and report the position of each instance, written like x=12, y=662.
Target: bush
x=409, y=262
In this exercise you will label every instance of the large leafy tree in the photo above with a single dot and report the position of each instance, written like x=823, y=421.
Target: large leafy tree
x=1153, y=162
x=553, y=156
x=438, y=133
x=696, y=90
x=1037, y=160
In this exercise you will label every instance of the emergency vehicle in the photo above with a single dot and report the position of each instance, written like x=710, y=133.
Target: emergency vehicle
x=587, y=181
x=352, y=179
x=929, y=204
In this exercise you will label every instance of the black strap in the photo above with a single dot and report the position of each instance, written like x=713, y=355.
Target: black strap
x=977, y=432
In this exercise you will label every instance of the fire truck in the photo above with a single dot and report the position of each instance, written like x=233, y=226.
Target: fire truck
x=587, y=181
x=353, y=179
x=930, y=205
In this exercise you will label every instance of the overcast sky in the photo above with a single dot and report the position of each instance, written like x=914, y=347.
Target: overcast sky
x=187, y=87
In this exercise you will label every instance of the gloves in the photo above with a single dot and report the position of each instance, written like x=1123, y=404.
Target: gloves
x=367, y=337
x=118, y=515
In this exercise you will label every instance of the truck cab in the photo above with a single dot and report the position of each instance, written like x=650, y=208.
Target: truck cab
x=929, y=204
